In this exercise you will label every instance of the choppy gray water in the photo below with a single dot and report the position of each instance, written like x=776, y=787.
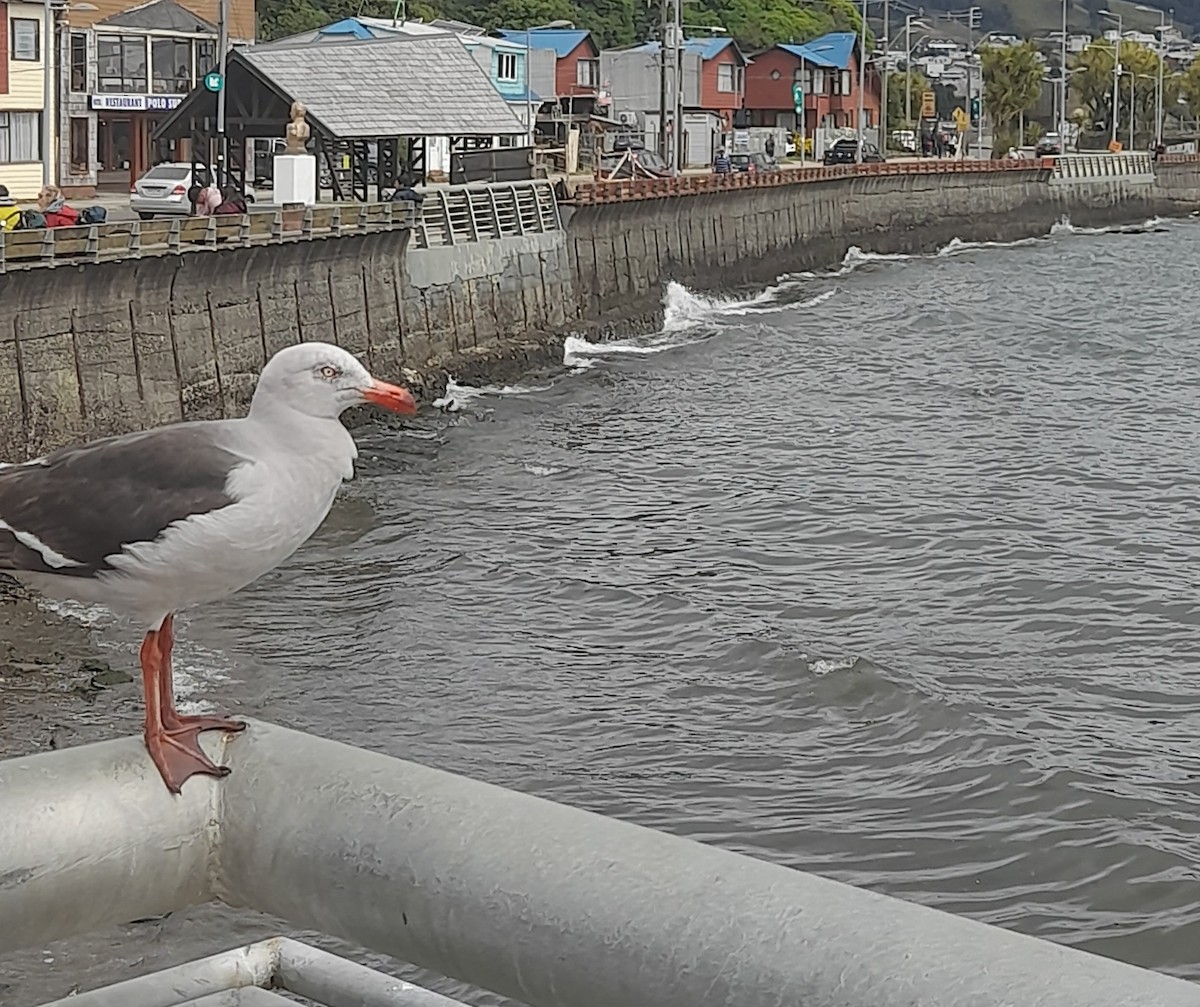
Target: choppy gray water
x=886, y=574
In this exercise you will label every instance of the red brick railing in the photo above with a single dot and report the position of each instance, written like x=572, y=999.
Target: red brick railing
x=1178, y=158
x=622, y=189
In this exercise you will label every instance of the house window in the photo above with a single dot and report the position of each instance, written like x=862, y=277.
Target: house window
x=121, y=64
x=847, y=86
x=79, y=146
x=78, y=62
x=506, y=66
x=725, y=78
x=587, y=72
x=171, y=63
x=20, y=137
x=817, y=83
x=26, y=39
x=206, y=58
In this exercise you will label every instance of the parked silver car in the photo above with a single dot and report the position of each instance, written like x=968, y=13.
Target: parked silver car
x=163, y=190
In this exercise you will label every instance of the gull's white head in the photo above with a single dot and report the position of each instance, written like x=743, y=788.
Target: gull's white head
x=322, y=380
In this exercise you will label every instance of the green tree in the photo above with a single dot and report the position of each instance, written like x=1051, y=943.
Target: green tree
x=1092, y=88
x=911, y=83
x=1012, y=84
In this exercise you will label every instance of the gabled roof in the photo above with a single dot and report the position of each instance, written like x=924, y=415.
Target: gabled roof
x=705, y=48
x=832, y=50
x=160, y=15
x=402, y=86
x=563, y=41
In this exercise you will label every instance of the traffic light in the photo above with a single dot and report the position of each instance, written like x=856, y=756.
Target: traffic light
x=975, y=106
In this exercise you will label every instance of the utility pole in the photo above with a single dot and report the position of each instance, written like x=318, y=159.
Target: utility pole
x=677, y=146
x=862, y=77
x=663, y=72
x=222, y=174
x=883, y=88
x=1062, y=84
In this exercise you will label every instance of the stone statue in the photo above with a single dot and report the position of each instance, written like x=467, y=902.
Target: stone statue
x=297, y=130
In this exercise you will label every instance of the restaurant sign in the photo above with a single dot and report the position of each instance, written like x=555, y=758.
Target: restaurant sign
x=135, y=102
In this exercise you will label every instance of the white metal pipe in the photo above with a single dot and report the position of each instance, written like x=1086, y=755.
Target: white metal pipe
x=337, y=982
x=247, y=996
x=253, y=965
x=90, y=838
x=558, y=907
x=550, y=905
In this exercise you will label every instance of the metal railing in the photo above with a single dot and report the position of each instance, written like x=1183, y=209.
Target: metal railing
x=241, y=977
x=620, y=190
x=132, y=239
x=547, y=904
x=461, y=214
x=1103, y=168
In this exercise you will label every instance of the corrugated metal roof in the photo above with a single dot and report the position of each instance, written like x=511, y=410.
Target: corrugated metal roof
x=804, y=53
x=705, y=48
x=425, y=86
x=835, y=48
x=563, y=41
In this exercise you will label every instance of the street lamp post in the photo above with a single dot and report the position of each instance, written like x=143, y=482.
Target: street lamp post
x=1062, y=82
x=1116, y=71
x=909, y=21
x=1161, y=51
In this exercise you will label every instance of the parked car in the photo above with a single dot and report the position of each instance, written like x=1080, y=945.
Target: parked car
x=1050, y=145
x=163, y=190
x=845, y=151
x=753, y=162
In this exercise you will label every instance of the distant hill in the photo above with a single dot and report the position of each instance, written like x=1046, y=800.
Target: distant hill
x=1030, y=18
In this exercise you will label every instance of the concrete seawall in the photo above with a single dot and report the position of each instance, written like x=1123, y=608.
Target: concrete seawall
x=489, y=277
x=624, y=252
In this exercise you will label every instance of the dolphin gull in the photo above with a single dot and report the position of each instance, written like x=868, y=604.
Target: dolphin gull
x=152, y=522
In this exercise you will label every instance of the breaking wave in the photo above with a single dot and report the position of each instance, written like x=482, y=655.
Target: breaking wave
x=458, y=396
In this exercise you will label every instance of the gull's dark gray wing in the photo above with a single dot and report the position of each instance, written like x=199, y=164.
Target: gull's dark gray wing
x=66, y=513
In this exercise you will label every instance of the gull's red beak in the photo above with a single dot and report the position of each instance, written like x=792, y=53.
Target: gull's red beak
x=392, y=397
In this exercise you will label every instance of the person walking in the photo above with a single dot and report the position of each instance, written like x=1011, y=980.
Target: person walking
x=722, y=164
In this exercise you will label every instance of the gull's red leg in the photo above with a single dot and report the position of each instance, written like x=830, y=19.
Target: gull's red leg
x=176, y=722
x=176, y=754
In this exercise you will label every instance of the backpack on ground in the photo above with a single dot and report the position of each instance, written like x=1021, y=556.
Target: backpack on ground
x=31, y=220
x=93, y=215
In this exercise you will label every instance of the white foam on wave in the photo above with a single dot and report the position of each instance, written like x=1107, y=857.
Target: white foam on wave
x=542, y=470
x=957, y=246
x=458, y=396
x=1065, y=226
x=685, y=309
x=580, y=353
x=856, y=258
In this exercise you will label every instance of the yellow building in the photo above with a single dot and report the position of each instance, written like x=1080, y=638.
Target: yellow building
x=23, y=98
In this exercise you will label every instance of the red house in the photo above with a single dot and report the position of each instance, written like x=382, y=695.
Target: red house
x=827, y=68
x=722, y=76
x=576, y=64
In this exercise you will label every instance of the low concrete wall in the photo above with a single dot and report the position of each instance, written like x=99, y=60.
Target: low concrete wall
x=104, y=348
x=624, y=252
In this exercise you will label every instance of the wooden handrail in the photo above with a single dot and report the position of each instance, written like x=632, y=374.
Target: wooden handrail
x=131, y=239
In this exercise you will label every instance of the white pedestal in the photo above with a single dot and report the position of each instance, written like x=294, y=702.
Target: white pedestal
x=295, y=179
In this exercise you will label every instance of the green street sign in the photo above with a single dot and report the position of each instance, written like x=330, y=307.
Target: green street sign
x=214, y=81
x=798, y=96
